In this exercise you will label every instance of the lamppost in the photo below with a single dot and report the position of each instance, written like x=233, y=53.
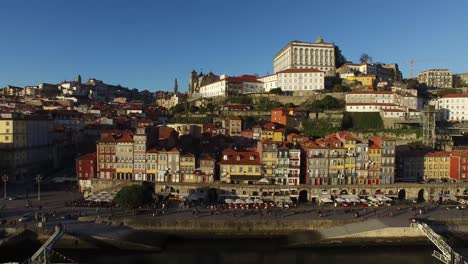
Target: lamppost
x=4, y=179
x=38, y=180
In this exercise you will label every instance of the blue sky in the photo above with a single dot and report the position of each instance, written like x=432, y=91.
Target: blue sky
x=146, y=44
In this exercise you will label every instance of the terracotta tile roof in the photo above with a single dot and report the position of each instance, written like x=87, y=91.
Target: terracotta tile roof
x=241, y=157
x=283, y=148
x=371, y=92
x=464, y=95
x=165, y=132
x=207, y=157
x=438, y=154
x=88, y=156
x=380, y=104
x=238, y=106
x=234, y=118
x=153, y=150
x=126, y=137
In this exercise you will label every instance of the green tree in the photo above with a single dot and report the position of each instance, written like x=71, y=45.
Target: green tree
x=241, y=99
x=276, y=91
x=328, y=102
x=412, y=84
x=339, y=88
x=265, y=104
x=365, y=58
x=131, y=197
x=340, y=59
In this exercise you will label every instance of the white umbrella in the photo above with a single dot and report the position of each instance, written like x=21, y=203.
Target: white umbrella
x=263, y=180
x=258, y=201
x=363, y=200
x=239, y=201
x=249, y=201
x=326, y=200
x=387, y=199
x=228, y=201
x=339, y=200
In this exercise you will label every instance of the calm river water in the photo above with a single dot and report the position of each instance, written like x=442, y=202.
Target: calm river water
x=238, y=251
x=253, y=251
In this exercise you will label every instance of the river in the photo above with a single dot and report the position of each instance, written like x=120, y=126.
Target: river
x=253, y=251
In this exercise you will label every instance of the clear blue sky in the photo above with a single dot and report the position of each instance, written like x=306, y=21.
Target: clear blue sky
x=146, y=44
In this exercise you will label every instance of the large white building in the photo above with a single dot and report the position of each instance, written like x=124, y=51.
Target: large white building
x=439, y=78
x=295, y=80
x=374, y=101
x=453, y=107
x=228, y=86
x=381, y=71
x=304, y=55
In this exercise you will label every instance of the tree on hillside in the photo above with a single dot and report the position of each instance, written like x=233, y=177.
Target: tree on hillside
x=340, y=59
x=328, y=102
x=265, y=104
x=365, y=58
x=131, y=197
x=412, y=84
x=339, y=88
x=241, y=99
x=277, y=91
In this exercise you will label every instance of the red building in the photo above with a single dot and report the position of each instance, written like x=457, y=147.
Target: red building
x=291, y=117
x=86, y=169
x=86, y=166
x=459, y=165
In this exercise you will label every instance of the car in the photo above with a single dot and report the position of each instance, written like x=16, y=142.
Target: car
x=25, y=218
x=11, y=198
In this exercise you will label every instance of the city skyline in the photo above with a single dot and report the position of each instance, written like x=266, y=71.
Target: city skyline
x=146, y=46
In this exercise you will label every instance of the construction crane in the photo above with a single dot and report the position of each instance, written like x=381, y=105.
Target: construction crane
x=411, y=63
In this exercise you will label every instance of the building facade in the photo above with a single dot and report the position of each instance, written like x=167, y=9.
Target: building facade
x=305, y=55
x=437, y=78
x=452, y=107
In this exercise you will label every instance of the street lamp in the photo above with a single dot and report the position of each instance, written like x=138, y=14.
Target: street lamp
x=4, y=179
x=38, y=180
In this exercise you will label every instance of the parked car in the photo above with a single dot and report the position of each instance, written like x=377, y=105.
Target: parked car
x=25, y=218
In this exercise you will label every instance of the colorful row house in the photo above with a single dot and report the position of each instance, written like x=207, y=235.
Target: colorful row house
x=446, y=165
x=340, y=159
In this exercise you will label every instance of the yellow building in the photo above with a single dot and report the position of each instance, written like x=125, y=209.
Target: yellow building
x=187, y=168
x=437, y=165
x=276, y=135
x=240, y=167
x=151, y=164
x=25, y=145
x=268, y=152
x=336, y=167
x=374, y=167
x=366, y=80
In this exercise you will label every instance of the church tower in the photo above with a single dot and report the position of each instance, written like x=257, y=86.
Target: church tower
x=78, y=79
x=176, y=86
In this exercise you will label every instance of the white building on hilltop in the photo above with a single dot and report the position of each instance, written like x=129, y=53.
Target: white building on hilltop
x=439, y=78
x=452, y=107
x=295, y=80
x=374, y=101
x=229, y=86
x=304, y=55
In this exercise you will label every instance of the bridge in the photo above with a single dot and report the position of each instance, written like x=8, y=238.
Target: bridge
x=447, y=254
x=42, y=254
x=421, y=192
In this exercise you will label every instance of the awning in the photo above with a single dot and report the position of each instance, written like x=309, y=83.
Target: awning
x=245, y=178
